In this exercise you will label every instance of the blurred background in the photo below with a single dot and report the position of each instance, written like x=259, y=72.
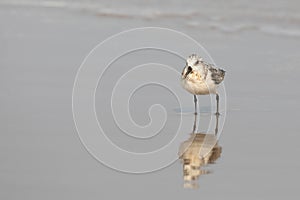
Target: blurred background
x=43, y=43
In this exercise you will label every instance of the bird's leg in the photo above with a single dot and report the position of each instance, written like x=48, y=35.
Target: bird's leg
x=195, y=124
x=217, y=99
x=217, y=124
x=195, y=101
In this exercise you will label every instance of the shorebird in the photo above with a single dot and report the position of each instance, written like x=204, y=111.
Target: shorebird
x=201, y=78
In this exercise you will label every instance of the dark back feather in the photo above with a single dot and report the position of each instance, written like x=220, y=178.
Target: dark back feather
x=217, y=75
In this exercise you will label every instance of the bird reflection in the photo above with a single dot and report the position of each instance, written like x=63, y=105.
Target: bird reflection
x=198, y=151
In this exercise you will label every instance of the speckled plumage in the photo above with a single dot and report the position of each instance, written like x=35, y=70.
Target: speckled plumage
x=199, y=77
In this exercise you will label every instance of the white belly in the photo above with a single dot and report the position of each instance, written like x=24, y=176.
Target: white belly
x=199, y=88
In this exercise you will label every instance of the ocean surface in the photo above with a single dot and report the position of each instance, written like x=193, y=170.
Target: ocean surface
x=269, y=17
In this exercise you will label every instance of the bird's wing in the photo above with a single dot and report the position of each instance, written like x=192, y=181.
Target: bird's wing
x=217, y=75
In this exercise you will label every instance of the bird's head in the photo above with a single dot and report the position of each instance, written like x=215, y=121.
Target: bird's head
x=191, y=62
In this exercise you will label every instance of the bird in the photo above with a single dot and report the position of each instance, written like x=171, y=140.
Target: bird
x=201, y=78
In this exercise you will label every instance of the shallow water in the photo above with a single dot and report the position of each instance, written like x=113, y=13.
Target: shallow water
x=42, y=47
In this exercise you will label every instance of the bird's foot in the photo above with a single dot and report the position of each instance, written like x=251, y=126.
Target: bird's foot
x=217, y=114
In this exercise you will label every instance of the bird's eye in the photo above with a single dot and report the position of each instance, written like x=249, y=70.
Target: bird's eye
x=189, y=68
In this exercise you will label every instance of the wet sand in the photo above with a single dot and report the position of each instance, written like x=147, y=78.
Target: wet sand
x=40, y=151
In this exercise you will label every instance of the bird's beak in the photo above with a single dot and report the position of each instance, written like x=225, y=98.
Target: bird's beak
x=189, y=70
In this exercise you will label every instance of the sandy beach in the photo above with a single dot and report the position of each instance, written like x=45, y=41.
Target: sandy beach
x=42, y=45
